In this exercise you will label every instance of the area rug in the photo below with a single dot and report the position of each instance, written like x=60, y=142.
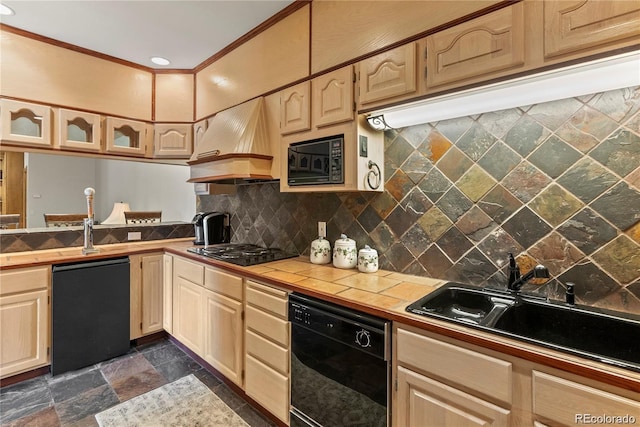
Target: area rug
x=185, y=402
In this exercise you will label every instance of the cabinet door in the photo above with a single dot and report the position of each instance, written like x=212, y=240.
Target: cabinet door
x=78, y=131
x=126, y=136
x=152, y=287
x=25, y=124
x=295, y=108
x=223, y=335
x=332, y=97
x=387, y=75
x=570, y=26
x=187, y=313
x=167, y=293
x=476, y=48
x=24, y=331
x=172, y=140
x=558, y=401
x=199, y=128
x=422, y=401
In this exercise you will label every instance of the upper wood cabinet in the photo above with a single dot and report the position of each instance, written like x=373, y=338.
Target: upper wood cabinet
x=572, y=26
x=126, y=136
x=295, y=108
x=387, y=76
x=172, y=140
x=332, y=97
x=199, y=128
x=476, y=49
x=78, y=130
x=26, y=124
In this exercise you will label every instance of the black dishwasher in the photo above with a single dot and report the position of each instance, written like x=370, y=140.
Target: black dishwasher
x=90, y=312
x=339, y=365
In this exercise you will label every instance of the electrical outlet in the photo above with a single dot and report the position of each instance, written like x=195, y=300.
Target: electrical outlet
x=134, y=235
x=322, y=229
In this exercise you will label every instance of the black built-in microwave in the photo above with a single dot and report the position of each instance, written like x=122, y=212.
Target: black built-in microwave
x=318, y=161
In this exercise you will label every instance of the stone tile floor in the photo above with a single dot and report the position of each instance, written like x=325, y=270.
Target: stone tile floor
x=73, y=398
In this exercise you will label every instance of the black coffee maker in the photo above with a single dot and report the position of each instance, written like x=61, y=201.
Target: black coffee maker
x=211, y=228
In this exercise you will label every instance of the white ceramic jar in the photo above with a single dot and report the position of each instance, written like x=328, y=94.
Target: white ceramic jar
x=368, y=260
x=345, y=254
x=320, y=251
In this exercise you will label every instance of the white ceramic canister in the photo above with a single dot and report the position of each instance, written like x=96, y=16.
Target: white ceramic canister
x=368, y=260
x=320, y=251
x=345, y=254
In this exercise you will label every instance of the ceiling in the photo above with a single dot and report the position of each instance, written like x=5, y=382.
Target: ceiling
x=185, y=32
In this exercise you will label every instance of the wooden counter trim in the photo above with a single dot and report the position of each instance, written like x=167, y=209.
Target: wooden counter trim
x=15, y=260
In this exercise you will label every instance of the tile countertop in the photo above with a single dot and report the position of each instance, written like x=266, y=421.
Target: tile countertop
x=384, y=293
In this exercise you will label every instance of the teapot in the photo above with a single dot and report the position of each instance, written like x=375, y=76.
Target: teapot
x=345, y=254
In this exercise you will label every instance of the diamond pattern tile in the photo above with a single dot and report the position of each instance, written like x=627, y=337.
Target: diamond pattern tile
x=587, y=179
x=620, y=205
x=454, y=204
x=554, y=157
x=587, y=230
x=553, y=114
x=619, y=104
x=435, y=146
x=454, y=164
x=557, y=252
x=620, y=152
x=525, y=181
x=555, y=204
x=592, y=284
x=498, y=123
x=454, y=243
x=434, y=223
x=499, y=204
x=620, y=258
x=526, y=227
x=499, y=160
x=475, y=183
x=475, y=142
x=526, y=135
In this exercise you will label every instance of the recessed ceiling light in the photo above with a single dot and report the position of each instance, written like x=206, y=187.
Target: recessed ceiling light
x=158, y=60
x=6, y=10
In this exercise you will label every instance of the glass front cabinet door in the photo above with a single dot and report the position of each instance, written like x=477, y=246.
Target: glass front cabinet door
x=25, y=124
x=78, y=131
x=128, y=137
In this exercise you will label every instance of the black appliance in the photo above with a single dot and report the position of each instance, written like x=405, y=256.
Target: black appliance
x=242, y=254
x=90, y=312
x=318, y=161
x=211, y=228
x=340, y=369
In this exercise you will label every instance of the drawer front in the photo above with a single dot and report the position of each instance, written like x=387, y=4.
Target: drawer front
x=24, y=279
x=188, y=270
x=557, y=401
x=223, y=283
x=267, y=387
x=268, y=352
x=268, y=325
x=485, y=374
x=267, y=298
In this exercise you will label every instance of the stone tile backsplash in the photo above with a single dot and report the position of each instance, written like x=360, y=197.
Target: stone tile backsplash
x=556, y=183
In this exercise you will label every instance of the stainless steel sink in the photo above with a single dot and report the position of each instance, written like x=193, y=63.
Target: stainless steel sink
x=598, y=334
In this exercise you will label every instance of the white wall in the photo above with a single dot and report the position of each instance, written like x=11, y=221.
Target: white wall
x=146, y=187
x=55, y=184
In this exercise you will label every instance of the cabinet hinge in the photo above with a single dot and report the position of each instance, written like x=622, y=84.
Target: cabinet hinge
x=49, y=300
x=242, y=374
x=48, y=350
x=140, y=264
x=355, y=77
x=140, y=325
x=395, y=384
x=242, y=315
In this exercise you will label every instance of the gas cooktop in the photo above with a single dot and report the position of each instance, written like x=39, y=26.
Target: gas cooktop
x=241, y=254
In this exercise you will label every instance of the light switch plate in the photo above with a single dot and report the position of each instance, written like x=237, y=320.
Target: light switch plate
x=134, y=235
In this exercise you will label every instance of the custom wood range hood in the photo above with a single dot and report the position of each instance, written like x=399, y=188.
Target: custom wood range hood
x=235, y=146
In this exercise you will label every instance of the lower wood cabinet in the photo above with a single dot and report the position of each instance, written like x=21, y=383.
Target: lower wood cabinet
x=267, y=346
x=146, y=276
x=444, y=381
x=24, y=319
x=424, y=401
x=188, y=291
x=167, y=293
x=223, y=308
